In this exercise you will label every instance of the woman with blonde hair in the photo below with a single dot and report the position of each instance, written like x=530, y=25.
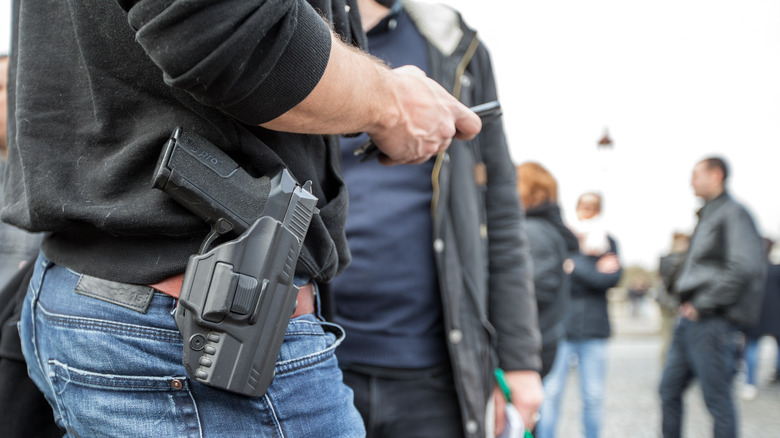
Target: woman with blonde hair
x=595, y=269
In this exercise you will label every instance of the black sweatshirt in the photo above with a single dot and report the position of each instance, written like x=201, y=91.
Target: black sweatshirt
x=96, y=89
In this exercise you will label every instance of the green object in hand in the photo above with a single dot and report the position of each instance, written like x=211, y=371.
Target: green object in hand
x=501, y=379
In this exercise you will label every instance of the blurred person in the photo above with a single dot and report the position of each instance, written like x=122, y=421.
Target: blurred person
x=596, y=270
x=98, y=88
x=16, y=245
x=25, y=411
x=719, y=287
x=440, y=284
x=551, y=244
x=768, y=325
x=637, y=292
x=668, y=269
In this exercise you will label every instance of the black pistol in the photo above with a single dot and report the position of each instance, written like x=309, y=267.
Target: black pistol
x=236, y=298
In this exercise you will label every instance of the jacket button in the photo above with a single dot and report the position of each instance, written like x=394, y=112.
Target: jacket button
x=471, y=426
x=455, y=336
x=465, y=80
x=483, y=231
x=438, y=245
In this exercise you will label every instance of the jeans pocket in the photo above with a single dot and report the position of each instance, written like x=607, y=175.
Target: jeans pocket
x=123, y=405
x=307, y=343
x=308, y=393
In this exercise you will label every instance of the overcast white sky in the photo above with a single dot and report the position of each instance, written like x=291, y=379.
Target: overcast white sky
x=674, y=81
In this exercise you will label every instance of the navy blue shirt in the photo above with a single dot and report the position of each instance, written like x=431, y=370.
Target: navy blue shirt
x=388, y=299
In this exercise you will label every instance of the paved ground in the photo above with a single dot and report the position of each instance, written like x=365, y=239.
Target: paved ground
x=632, y=406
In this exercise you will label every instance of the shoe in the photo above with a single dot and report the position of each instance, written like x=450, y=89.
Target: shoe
x=749, y=392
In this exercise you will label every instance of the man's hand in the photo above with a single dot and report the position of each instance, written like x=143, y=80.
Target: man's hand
x=527, y=396
x=409, y=116
x=688, y=311
x=427, y=120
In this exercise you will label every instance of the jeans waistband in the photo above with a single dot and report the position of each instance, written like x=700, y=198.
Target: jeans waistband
x=137, y=297
x=396, y=373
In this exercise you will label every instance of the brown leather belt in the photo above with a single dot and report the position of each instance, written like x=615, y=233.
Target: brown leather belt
x=304, y=304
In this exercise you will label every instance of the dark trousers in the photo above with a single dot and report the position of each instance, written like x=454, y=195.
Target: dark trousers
x=24, y=411
x=406, y=403
x=705, y=350
x=549, y=352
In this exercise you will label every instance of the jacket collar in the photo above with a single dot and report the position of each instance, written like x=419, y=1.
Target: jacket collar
x=713, y=204
x=439, y=24
x=552, y=214
x=451, y=42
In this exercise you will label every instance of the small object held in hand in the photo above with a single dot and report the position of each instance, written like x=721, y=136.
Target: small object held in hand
x=487, y=112
x=515, y=428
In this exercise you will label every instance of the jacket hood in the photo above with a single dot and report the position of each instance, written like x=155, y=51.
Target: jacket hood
x=552, y=214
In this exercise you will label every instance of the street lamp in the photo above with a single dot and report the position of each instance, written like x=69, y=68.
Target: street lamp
x=605, y=142
x=603, y=149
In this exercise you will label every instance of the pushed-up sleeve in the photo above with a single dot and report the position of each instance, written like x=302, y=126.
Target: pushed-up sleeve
x=253, y=59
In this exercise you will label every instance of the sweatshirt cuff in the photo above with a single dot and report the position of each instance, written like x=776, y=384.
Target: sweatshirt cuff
x=294, y=76
x=523, y=357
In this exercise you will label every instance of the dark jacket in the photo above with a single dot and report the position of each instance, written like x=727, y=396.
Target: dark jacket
x=97, y=88
x=769, y=319
x=482, y=257
x=551, y=243
x=588, y=316
x=725, y=269
x=669, y=267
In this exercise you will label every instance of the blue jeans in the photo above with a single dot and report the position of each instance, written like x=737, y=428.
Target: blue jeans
x=703, y=349
x=107, y=370
x=591, y=355
x=751, y=358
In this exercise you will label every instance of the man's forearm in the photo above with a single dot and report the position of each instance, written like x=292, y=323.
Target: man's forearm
x=409, y=116
x=345, y=100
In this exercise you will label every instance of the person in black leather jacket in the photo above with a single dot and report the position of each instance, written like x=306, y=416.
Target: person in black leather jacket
x=719, y=287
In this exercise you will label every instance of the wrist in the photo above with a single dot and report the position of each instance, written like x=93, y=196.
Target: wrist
x=386, y=110
x=372, y=93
